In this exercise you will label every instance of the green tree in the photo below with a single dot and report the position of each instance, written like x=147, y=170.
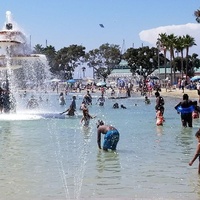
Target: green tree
x=179, y=46
x=103, y=59
x=193, y=64
x=38, y=49
x=188, y=42
x=68, y=58
x=171, y=41
x=197, y=15
x=162, y=39
x=144, y=58
x=50, y=53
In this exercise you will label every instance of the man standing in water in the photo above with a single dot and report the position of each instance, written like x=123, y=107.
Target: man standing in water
x=185, y=107
x=159, y=103
x=111, y=137
x=72, y=108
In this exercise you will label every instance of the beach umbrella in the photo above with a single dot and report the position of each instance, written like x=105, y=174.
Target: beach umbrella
x=154, y=77
x=71, y=81
x=195, y=78
x=102, y=83
x=87, y=78
x=55, y=80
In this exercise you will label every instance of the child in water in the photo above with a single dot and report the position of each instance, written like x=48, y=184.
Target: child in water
x=195, y=113
x=86, y=118
x=62, y=99
x=147, y=100
x=197, y=153
x=159, y=118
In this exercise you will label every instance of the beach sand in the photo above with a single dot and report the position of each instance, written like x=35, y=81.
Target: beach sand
x=176, y=93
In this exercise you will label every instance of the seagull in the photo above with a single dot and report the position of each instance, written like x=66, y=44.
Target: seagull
x=101, y=25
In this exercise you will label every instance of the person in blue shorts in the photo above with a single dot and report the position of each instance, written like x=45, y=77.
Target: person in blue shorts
x=111, y=137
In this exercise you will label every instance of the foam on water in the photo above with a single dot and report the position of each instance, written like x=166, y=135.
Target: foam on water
x=19, y=117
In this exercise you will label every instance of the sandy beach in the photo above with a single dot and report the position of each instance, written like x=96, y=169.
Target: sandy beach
x=179, y=93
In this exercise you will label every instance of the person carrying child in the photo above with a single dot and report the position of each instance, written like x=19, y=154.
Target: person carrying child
x=159, y=103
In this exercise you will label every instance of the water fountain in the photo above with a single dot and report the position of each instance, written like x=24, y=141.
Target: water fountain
x=18, y=67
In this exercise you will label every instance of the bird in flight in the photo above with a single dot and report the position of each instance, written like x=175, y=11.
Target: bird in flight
x=101, y=25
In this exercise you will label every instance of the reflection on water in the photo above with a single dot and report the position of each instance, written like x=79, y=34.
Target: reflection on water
x=57, y=159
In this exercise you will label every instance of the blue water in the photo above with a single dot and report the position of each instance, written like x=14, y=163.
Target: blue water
x=48, y=158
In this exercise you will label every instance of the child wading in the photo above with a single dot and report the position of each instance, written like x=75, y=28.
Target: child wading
x=159, y=118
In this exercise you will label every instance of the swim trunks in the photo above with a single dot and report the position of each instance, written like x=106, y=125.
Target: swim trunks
x=111, y=139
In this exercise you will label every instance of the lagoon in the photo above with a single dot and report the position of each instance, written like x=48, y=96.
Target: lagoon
x=51, y=158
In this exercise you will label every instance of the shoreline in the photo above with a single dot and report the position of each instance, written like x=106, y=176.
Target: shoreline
x=176, y=93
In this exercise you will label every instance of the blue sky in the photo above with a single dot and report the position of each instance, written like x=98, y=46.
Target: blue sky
x=66, y=22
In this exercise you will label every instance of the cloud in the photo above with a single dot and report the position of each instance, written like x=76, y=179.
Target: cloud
x=150, y=36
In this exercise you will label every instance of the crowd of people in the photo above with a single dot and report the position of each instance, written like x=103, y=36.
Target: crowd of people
x=187, y=109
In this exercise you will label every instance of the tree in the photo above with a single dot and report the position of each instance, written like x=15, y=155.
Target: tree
x=50, y=53
x=68, y=58
x=103, y=59
x=188, y=42
x=179, y=45
x=171, y=41
x=193, y=64
x=144, y=58
x=38, y=49
x=163, y=46
x=197, y=15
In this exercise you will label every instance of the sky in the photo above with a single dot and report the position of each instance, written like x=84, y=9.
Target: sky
x=127, y=23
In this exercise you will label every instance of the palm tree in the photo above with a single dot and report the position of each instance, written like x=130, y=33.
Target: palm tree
x=188, y=42
x=171, y=40
x=163, y=45
x=179, y=45
x=197, y=15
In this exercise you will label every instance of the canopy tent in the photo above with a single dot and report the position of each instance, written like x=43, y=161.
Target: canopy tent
x=101, y=84
x=195, y=78
x=71, y=81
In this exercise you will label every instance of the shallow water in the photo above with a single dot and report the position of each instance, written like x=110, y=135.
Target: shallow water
x=51, y=158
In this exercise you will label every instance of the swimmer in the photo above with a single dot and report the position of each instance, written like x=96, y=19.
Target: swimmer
x=32, y=103
x=195, y=113
x=88, y=98
x=115, y=105
x=72, y=108
x=187, y=107
x=101, y=100
x=62, y=99
x=111, y=137
x=159, y=117
x=147, y=100
x=122, y=106
x=159, y=102
x=86, y=118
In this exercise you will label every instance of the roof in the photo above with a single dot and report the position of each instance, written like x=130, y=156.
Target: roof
x=123, y=63
x=120, y=73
